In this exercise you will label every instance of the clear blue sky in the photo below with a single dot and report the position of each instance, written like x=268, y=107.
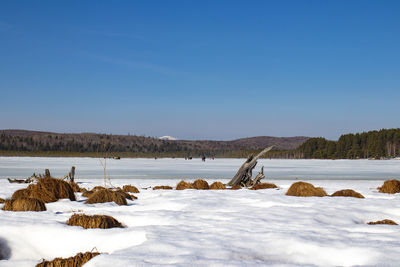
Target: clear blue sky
x=200, y=69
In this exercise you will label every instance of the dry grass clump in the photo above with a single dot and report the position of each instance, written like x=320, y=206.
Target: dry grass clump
x=24, y=204
x=162, y=187
x=2, y=200
x=20, y=193
x=34, y=196
x=96, y=188
x=347, y=193
x=107, y=195
x=76, y=261
x=51, y=190
x=217, y=186
x=303, y=189
x=386, y=221
x=201, y=184
x=87, y=193
x=390, y=187
x=235, y=187
x=198, y=184
x=118, y=191
x=182, y=185
x=47, y=190
x=125, y=194
x=130, y=189
x=76, y=187
x=93, y=221
x=263, y=186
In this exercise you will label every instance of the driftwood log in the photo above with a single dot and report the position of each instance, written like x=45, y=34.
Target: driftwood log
x=70, y=176
x=244, y=175
x=31, y=179
x=20, y=181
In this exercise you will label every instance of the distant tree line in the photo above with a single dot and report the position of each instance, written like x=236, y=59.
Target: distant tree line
x=274, y=154
x=373, y=144
x=100, y=143
x=15, y=142
x=82, y=143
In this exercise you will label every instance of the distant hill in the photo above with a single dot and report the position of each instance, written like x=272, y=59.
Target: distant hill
x=36, y=141
x=384, y=143
x=280, y=143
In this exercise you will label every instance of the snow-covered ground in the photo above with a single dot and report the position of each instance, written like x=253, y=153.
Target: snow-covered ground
x=215, y=227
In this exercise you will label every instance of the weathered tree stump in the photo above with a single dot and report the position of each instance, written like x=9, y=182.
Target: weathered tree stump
x=244, y=175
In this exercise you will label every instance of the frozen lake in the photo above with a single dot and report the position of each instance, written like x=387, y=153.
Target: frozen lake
x=218, y=169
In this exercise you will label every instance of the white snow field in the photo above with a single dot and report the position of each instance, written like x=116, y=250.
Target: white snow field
x=210, y=227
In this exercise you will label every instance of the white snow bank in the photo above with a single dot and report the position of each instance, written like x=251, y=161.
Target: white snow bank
x=215, y=227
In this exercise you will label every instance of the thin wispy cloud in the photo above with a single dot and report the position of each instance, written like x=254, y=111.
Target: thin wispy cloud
x=135, y=64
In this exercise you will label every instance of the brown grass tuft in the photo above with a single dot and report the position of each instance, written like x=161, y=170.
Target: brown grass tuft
x=263, y=186
x=8, y=204
x=107, y=195
x=386, y=221
x=87, y=193
x=125, y=194
x=217, y=186
x=235, y=187
x=51, y=190
x=75, y=187
x=184, y=185
x=2, y=200
x=201, y=184
x=130, y=189
x=77, y=261
x=96, y=188
x=93, y=221
x=20, y=193
x=47, y=190
x=303, y=189
x=390, y=187
x=24, y=204
x=163, y=187
x=347, y=193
